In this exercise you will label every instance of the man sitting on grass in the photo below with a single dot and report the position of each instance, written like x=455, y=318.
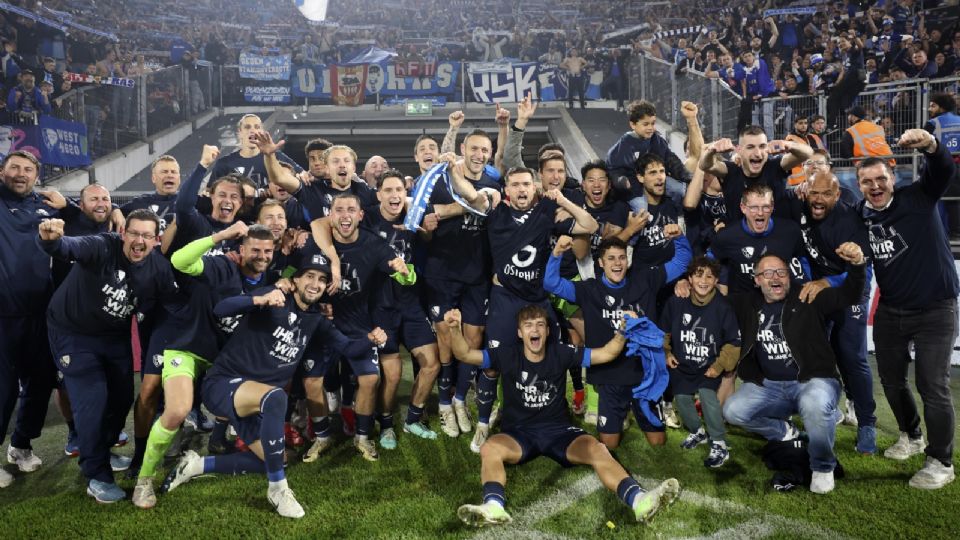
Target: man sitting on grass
x=536, y=421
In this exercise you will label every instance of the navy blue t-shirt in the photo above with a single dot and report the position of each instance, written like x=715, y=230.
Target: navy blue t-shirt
x=773, y=354
x=402, y=241
x=739, y=250
x=697, y=333
x=603, y=305
x=103, y=289
x=612, y=212
x=701, y=221
x=270, y=341
x=822, y=238
x=736, y=182
x=316, y=198
x=164, y=206
x=76, y=223
x=363, y=271
x=520, y=244
x=458, y=249
x=251, y=167
x=534, y=393
x=24, y=267
x=652, y=246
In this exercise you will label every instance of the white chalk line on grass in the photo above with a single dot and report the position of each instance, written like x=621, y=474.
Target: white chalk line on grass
x=763, y=525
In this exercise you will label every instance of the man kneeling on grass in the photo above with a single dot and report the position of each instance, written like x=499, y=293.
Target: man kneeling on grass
x=536, y=421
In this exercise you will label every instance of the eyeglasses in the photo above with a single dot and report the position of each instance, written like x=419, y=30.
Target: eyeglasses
x=759, y=209
x=812, y=163
x=146, y=236
x=768, y=274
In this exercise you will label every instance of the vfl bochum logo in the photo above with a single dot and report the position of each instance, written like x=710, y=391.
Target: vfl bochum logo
x=291, y=317
x=523, y=376
x=747, y=252
x=610, y=300
x=686, y=319
x=120, y=275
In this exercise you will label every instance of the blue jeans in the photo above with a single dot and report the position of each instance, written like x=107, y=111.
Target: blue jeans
x=848, y=338
x=764, y=410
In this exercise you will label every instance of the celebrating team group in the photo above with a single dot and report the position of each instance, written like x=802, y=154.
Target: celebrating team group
x=266, y=292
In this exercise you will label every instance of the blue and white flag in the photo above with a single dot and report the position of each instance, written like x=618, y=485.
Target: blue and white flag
x=494, y=82
x=421, y=196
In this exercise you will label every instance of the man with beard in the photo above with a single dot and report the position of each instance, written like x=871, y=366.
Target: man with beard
x=246, y=160
x=654, y=244
x=165, y=176
x=786, y=362
x=536, y=422
x=248, y=376
x=193, y=334
x=25, y=361
x=365, y=261
x=89, y=327
x=798, y=135
x=519, y=235
x=25, y=102
x=373, y=168
x=826, y=224
x=755, y=167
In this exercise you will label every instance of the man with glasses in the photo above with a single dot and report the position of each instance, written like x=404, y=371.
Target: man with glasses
x=89, y=329
x=738, y=246
x=820, y=162
x=786, y=362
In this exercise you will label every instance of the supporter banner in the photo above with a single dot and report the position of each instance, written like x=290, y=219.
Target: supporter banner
x=625, y=31
x=503, y=83
x=554, y=85
x=789, y=11
x=415, y=68
x=32, y=16
x=53, y=142
x=348, y=84
x=267, y=94
x=94, y=79
x=64, y=143
x=681, y=32
x=314, y=81
x=265, y=68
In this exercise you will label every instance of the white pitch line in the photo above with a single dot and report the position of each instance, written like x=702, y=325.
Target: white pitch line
x=764, y=525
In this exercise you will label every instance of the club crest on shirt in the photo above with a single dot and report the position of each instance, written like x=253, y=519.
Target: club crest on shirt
x=493, y=344
x=120, y=275
x=686, y=319
x=155, y=208
x=291, y=318
x=611, y=301
x=158, y=360
x=747, y=251
x=65, y=360
x=523, y=376
x=308, y=364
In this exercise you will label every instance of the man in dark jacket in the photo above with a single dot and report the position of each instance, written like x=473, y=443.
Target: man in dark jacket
x=787, y=364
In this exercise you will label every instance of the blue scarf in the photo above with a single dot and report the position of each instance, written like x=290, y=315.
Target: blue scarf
x=421, y=196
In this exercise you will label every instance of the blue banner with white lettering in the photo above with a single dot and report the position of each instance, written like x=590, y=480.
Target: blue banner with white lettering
x=441, y=79
x=554, y=84
x=265, y=68
x=267, y=94
x=63, y=143
x=500, y=82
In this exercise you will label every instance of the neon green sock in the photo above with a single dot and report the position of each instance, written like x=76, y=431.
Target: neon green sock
x=157, y=444
x=593, y=398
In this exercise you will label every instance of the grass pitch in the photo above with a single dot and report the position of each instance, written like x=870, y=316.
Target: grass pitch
x=413, y=492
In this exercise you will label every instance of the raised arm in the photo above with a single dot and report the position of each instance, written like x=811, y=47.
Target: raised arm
x=189, y=258
x=245, y=303
x=458, y=344
x=189, y=191
x=552, y=281
x=612, y=349
x=83, y=249
x=585, y=223
x=503, y=128
x=464, y=187
x=940, y=167
x=512, y=156
x=450, y=139
x=711, y=162
x=276, y=174
x=797, y=153
x=691, y=198
x=322, y=232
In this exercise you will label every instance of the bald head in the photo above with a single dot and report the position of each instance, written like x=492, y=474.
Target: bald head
x=372, y=170
x=823, y=192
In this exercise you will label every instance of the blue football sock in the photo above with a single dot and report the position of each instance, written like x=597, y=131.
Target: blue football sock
x=493, y=491
x=414, y=414
x=465, y=376
x=273, y=405
x=237, y=463
x=486, y=395
x=444, y=383
x=364, y=423
x=628, y=490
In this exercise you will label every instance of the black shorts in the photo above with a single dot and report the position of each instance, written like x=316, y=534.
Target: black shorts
x=408, y=325
x=551, y=440
x=218, y=395
x=470, y=299
x=615, y=402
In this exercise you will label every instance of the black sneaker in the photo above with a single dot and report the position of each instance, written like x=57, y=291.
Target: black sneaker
x=694, y=440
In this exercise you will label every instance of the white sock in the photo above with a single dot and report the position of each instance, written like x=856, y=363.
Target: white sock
x=446, y=407
x=273, y=487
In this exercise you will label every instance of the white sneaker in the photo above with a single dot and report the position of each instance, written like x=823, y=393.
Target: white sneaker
x=189, y=466
x=479, y=437
x=464, y=422
x=5, y=478
x=791, y=432
x=23, y=458
x=482, y=515
x=822, y=482
x=905, y=447
x=670, y=416
x=933, y=475
x=285, y=502
x=448, y=421
x=850, y=415
x=143, y=494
